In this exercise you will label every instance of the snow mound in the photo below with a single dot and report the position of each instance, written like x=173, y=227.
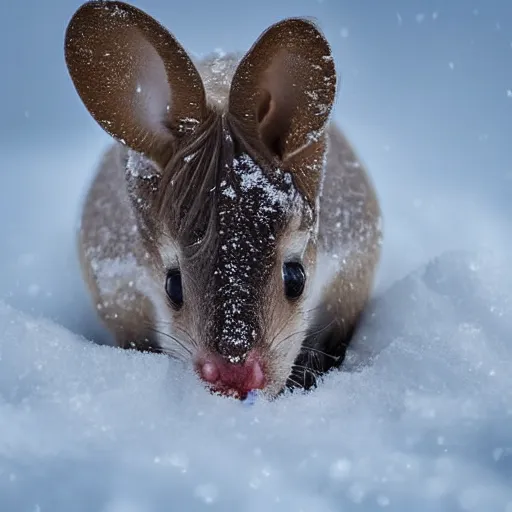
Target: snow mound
x=420, y=420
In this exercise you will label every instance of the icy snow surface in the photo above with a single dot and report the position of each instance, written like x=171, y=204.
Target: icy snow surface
x=422, y=421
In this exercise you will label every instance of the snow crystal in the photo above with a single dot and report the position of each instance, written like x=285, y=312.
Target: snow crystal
x=229, y=192
x=207, y=493
x=116, y=11
x=254, y=178
x=139, y=166
x=340, y=470
x=111, y=272
x=188, y=158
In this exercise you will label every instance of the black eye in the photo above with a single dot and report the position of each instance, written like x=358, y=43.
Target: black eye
x=173, y=288
x=294, y=279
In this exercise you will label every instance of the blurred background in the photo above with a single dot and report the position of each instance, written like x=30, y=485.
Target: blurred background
x=425, y=96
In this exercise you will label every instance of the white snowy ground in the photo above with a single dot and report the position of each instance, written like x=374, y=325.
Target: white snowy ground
x=420, y=421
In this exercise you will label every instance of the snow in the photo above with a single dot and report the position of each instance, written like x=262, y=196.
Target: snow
x=419, y=421
x=247, y=238
x=251, y=176
x=422, y=418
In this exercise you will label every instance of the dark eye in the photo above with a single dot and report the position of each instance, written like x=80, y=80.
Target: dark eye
x=173, y=288
x=294, y=279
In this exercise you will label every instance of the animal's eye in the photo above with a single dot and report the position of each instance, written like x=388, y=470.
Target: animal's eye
x=173, y=288
x=294, y=279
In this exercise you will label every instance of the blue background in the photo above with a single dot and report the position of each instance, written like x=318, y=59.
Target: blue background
x=425, y=96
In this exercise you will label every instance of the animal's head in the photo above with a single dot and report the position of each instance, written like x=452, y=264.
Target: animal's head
x=229, y=205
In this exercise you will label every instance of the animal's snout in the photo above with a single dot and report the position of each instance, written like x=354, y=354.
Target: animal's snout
x=232, y=379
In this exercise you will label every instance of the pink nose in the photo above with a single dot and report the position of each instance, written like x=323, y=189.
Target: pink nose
x=232, y=379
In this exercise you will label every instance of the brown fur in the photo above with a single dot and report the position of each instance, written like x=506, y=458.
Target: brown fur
x=166, y=196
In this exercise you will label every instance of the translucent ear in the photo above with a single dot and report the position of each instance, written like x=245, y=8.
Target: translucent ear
x=285, y=86
x=132, y=75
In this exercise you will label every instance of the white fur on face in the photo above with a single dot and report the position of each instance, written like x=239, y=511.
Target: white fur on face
x=292, y=247
x=322, y=276
x=288, y=352
x=169, y=255
x=169, y=252
x=295, y=246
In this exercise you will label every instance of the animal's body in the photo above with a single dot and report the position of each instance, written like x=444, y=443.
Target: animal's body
x=242, y=232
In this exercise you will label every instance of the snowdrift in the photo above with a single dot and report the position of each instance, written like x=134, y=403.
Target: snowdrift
x=421, y=418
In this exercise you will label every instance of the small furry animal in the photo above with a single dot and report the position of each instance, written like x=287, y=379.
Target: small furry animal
x=231, y=224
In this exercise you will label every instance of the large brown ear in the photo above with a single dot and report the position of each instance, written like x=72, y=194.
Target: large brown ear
x=284, y=88
x=133, y=76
